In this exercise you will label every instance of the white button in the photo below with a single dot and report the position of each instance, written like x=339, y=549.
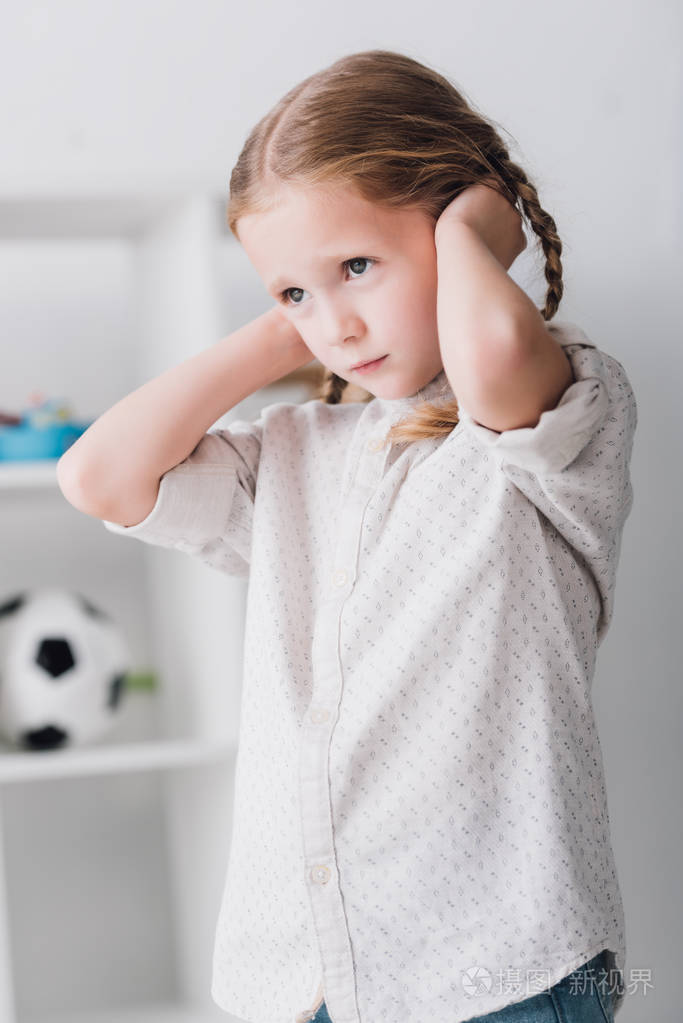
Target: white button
x=340, y=577
x=320, y=874
x=376, y=445
x=319, y=717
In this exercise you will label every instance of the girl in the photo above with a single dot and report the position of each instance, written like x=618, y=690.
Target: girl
x=421, y=828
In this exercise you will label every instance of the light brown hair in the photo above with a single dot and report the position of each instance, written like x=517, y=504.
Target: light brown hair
x=403, y=136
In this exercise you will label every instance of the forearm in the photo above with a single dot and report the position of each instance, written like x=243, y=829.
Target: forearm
x=478, y=306
x=504, y=366
x=141, y=437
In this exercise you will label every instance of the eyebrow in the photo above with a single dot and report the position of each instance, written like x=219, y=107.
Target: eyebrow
x=278, y=285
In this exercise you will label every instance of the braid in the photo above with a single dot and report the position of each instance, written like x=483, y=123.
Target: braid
x=332, y=388
x=542, y=224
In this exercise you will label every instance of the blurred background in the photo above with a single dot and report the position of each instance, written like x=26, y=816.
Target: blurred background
x=119, y=126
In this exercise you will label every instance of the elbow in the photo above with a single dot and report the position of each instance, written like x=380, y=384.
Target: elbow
x=71, y=483
x=66, y=477
x=79, y=490
x=77, y=486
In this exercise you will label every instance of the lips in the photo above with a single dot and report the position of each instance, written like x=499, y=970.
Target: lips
x=359, y=365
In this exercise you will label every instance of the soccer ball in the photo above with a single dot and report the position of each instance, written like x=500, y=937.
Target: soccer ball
x=63, y=666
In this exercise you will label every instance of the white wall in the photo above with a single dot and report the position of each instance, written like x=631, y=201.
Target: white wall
x=103, y=98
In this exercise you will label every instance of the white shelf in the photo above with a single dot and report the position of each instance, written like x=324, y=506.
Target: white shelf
x=42, y=473
x=110, y=880
x=126, y=758
x=141, y=1014
x=116, y=216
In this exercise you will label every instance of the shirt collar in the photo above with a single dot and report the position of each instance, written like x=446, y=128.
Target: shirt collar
x=438, y=389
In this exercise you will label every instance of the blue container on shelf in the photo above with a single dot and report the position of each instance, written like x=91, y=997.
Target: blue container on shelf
x=44, y=432
x=32, y=443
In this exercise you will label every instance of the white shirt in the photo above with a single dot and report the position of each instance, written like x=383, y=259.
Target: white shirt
x=419, y=790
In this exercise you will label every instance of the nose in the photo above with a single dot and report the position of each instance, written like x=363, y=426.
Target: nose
x=341, y=321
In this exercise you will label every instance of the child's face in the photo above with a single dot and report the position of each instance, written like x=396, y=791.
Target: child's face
x=381, y=303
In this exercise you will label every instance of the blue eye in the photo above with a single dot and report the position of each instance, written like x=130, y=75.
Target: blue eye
x=286, y=296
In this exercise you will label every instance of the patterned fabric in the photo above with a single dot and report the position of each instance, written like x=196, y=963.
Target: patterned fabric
x=419, y=794
x=584, y=996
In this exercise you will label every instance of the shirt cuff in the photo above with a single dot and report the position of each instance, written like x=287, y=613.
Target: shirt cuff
x=559, y=435
x=192, y=507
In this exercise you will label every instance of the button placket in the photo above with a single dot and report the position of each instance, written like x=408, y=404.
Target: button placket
x=340, y=577
x=321, y=874
x=319, y=716
x=373, y=456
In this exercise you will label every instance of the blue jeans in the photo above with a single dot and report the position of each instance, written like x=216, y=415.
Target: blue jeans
x=581, y=997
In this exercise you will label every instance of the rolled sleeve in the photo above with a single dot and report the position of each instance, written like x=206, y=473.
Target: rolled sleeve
x=560, y=434
x=205, y=504
x=176, y=515
x=574, y=464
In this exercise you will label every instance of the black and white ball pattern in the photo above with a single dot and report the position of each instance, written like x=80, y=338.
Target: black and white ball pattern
x=63, y=666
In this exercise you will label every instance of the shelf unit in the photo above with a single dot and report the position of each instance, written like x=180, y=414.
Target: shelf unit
x=113, y=857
